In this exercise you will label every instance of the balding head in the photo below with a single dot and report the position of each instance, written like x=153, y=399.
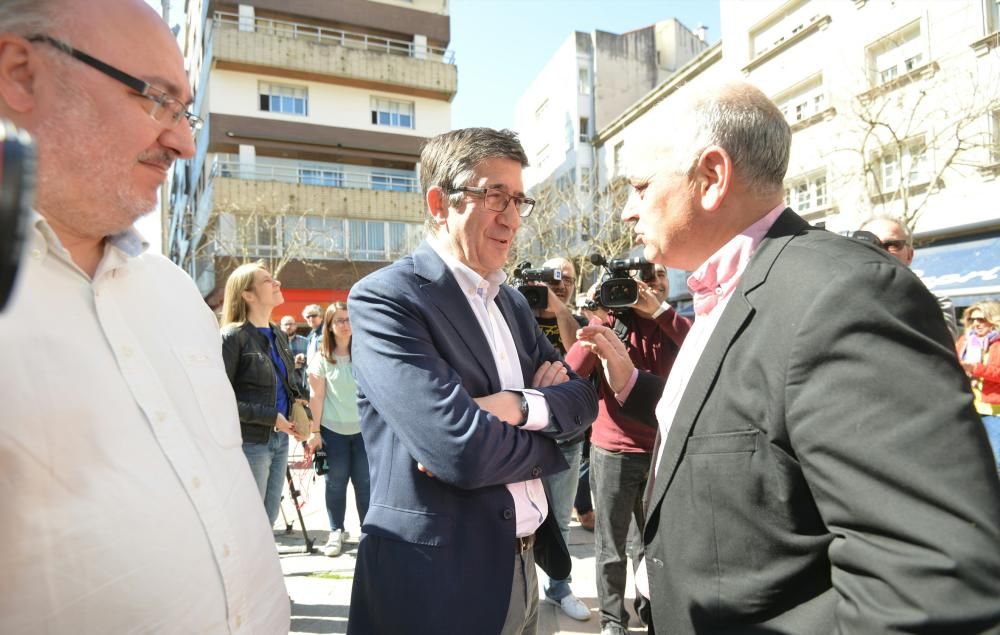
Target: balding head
x=896, y=237
x=735, y=116
x=102, y=157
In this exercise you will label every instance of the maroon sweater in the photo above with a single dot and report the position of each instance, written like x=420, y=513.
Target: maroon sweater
x=652, y=345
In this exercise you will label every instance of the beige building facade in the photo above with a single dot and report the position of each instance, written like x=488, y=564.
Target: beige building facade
x=309, y=160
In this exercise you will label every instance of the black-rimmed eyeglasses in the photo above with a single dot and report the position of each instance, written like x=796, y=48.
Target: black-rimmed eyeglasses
x=497, y=200
x=163, y=108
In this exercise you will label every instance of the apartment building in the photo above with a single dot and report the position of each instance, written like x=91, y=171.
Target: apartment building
x=315, y=114
x=894, y=108
x=587, y=83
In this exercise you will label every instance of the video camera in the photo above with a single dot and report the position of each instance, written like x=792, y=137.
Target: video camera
x=17, y=186
x=618, y=288
x=537, y=296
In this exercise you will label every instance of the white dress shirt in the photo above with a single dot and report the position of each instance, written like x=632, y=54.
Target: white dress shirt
x=530, y=505
x=128, y=504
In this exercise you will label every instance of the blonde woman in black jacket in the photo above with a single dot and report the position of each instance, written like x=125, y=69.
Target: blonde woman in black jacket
x=260, y=367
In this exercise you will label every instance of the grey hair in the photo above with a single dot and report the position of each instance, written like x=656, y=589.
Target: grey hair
x=450, y=159
x=27, y=17
x=740, y=119
x=889, y=218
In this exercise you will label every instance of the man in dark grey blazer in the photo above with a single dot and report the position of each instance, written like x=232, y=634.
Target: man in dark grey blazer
x=462, y=399
x=819, y=468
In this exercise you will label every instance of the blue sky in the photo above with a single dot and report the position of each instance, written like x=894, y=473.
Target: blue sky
x=507, y=43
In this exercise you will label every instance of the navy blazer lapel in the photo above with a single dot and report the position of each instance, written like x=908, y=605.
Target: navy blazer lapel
x=738, y=312
x=444, y=292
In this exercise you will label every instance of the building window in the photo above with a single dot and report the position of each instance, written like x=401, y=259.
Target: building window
x=583, y=80
x=367, y=240
x=314, y=237
x=895, y=55
x=584, y=129
x=995, y=137
x=617, y=158
x=289, y=100
x=803, y=100
x=992, y=10
x=910, y=160
x=781, y=26
x=542, y=156
x=585, y=179
x=388, y=112
x=807, y=193
x=329, y=178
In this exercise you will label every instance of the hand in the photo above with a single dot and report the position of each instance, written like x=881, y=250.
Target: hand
x=603, y=342
x=284, y=425
x=314, y=442
x=647, y=303
x=300, y=360
x=550, y=374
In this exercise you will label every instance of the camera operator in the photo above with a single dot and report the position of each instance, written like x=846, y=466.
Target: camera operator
x=557, y=320
x=559, y=325
x=621, y=447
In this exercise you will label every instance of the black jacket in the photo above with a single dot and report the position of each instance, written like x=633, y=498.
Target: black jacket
x=247, y=355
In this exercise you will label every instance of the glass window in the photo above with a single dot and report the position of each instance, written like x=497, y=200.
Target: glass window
x=584, y=129
x=583, y=80
x=389, y=112
x=890, y=173
x=820, y=190
x=918, y=172
x=802, y=196
x=290, y=100
x=367, y=240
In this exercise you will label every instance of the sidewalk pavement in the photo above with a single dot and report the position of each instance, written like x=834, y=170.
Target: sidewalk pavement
x=320, y=587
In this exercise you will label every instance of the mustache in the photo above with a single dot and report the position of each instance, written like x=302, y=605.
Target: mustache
x=162, y=158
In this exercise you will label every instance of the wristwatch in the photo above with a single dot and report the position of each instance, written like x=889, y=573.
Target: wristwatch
x=524, y=408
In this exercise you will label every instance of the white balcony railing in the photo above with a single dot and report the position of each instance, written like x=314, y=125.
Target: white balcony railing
x=333, y=37
x=316, y=175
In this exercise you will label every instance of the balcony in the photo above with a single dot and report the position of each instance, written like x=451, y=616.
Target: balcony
x=314, y=190
x=310, y=52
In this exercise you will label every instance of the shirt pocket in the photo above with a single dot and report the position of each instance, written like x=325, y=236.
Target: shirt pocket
x=214, y=393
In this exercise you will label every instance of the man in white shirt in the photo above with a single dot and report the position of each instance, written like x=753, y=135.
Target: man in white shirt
x=128, y=503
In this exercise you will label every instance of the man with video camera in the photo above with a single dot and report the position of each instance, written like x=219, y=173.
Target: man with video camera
x=621, y=447
x=549, y=291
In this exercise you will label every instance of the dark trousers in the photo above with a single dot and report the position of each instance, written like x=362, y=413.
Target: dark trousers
x=618, y=480
x=582, y=503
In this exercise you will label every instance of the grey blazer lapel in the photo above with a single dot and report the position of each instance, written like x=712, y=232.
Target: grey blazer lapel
x=735, y=316
x=443, y=291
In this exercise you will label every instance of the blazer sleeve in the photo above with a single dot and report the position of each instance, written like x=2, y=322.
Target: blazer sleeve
x=573, y=403
x=641, y=401
x=879, y=419
x=407, y=385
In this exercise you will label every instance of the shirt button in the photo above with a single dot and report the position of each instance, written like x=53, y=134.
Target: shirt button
x=239, y=620
x=161, y=416
x=196, y=482
x=127, y=351
x=225, y=551
x=36, y=253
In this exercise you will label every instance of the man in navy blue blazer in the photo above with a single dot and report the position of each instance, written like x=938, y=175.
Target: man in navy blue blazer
x=462, y=399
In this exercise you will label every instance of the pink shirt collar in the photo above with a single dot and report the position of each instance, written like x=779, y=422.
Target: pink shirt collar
x=716, y=278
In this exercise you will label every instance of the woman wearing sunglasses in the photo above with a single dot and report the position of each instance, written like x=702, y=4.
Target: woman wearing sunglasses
x=979, y=352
